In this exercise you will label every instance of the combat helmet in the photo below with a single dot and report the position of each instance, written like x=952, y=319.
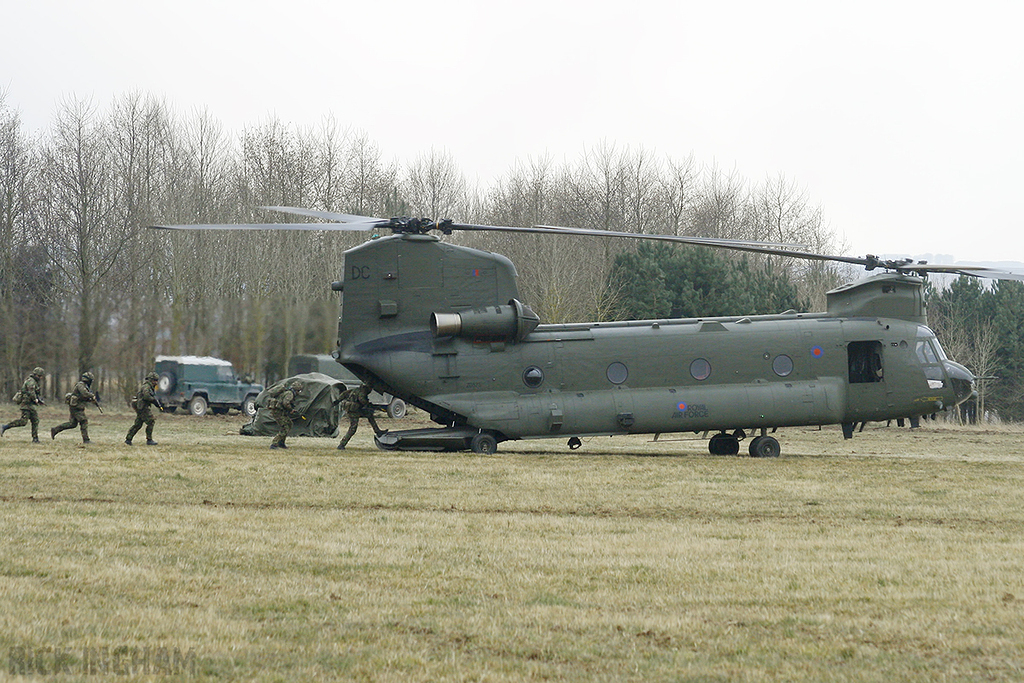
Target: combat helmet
x=38, y=372
x=152, y=377
x=88, y=377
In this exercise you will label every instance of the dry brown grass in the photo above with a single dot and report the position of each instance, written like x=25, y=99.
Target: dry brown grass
x=897, y=555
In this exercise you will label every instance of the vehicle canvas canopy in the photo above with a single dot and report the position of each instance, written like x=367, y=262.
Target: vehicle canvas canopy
x=324, y=364
x=327, y=365
x=316, y=407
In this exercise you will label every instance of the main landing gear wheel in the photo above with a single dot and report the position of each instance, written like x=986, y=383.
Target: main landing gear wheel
x=396, y=409
x=765, y=447
x=724, y=444
x=483, y=443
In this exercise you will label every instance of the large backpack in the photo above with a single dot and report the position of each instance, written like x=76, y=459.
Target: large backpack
x=273, y=401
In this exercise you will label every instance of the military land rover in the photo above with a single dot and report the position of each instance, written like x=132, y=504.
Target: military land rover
x=201, y=383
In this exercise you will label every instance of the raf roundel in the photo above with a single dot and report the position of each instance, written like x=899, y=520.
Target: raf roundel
x=817, y=351
x=682, y=407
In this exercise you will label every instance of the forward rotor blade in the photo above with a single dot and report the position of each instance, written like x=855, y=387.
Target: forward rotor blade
x=345, y=227
x=972, y=271
x=325, y=215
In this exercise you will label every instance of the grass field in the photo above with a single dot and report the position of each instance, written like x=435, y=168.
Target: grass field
x=898, y=555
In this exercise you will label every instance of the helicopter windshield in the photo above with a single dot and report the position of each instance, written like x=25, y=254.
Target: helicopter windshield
x=929, y=351
x=932, y=357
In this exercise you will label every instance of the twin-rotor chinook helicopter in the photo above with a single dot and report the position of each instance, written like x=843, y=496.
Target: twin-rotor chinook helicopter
x=442, y=327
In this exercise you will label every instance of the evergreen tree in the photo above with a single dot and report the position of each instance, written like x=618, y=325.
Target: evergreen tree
x=659, y=281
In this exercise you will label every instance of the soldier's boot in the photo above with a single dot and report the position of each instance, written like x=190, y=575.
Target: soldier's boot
x=150, y=442
x=35, y=439
x=85, y=435
x=127, y=442
x=3, y=428
x=53, y=433
x=149, y=436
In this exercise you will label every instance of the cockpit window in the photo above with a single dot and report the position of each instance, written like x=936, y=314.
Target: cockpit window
x=935, y=353
x=925, y=352
x=931, y=355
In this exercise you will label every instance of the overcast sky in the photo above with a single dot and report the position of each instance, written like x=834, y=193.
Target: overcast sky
x=903, y=120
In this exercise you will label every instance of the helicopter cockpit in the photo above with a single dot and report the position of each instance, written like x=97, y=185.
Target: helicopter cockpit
x=938, y=369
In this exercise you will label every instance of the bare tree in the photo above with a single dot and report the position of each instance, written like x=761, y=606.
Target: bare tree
x=677, y=196
x=16, y=168
x=85, y=236
x=434, y=185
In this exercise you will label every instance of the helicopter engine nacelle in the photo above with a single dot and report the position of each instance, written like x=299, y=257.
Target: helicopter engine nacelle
x=513, y=321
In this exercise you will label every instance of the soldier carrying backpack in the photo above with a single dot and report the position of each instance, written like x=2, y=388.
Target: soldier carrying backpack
x=355, y=403
x=145, y=398
x=281, y=403
x=76, y=400
x=27, y=399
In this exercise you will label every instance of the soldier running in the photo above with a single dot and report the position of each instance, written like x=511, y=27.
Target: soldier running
x=76, y=400
x=27, y=399
x=145, y=398
x=281, y=408
x=355, y=403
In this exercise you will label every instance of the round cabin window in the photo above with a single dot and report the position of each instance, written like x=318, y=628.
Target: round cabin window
x=617, y=373
x=782, y=365
x=700, y=369
x=533, y=377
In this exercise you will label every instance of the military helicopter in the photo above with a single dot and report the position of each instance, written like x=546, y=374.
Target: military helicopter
x=442, y=327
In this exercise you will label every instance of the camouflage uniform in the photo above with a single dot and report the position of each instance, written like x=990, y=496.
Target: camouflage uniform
x=355, y=403
x=281, y=408
x=79, y=396
x=28, y=397
x=145, y=398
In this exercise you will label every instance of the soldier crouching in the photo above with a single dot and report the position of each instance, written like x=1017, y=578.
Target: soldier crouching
x=355, y=403
x=281, y=408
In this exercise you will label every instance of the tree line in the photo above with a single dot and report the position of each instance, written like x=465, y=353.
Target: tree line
x=84, y=285
x=980, y=326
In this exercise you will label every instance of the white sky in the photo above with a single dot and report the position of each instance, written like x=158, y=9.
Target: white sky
x=903, y=120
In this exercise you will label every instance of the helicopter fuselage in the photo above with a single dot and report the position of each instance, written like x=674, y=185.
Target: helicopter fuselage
x=442, y=327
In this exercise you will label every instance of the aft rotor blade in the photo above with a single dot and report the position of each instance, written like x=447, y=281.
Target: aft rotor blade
x=347, y=227
x=325, y=215
x=743, y=245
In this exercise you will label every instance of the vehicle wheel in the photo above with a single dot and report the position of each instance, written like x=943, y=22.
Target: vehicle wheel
x=483, y=443
x=396, y=409
x=249, y=406
x=765, y=447
x=197, y=406
x=166, y=383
